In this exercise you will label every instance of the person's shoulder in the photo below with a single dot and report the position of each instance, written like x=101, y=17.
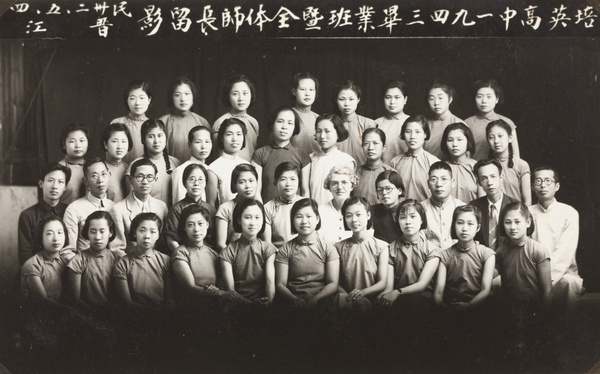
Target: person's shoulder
x=480, y=202
x=200, y=119
x=470, y=120
x=261, y=154
x=122, y=120
x=161, y=256
x=507, y=120
x=174, y=161
x=28, y=212
x=32, y=263
x=431, y=158
x=457, y=202
x=218, y=121
x=455, y=119
x=484, y=251
x=378, y=121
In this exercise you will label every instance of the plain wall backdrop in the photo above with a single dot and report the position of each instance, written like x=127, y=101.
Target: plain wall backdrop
x=550, y=85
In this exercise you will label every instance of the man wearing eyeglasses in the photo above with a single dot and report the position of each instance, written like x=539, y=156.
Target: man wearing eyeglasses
x=142, y=179
x=557, y=228
x=95, y=178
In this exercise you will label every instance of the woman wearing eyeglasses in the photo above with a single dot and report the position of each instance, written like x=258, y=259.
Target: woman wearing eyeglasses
x=194, y=178
x=390, y=191
x=142, y=178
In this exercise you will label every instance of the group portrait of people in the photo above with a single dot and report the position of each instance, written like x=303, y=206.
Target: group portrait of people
x=338, y=213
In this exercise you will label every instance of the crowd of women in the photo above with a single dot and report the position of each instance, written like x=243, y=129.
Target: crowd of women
x=337, y=211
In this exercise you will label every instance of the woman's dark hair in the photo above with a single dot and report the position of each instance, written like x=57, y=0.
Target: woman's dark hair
x=191, y=167
x=116, y=127
x=223, y=127
x=444, y=87
x=287, y=166
x=393, y=177
x=393, y=84
x=99, y=214
x=407, y=205
x=237, y=171
x=344, y=85
x=152, y=124
x=285, y=109
x=186, y=213
x=421, y=120
x=377, y=131
x=135, y=223
x=39, y=231
x=134, y=85
x=491, y=83
x=194, y=130
x=228, y=85
x=464, y=209
x=67, y=130
x=239, y=210
x=525, y=212
x=303, y=204
x=356, y=200
x=338, y=125
x=176, y=83
x=465, y=130
x=502, y=124
x=296, y=81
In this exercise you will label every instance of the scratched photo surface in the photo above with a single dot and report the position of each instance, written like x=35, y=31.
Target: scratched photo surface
x=70, y=61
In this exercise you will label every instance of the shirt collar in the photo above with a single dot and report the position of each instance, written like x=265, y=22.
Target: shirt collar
x=437, y=204
x=392, y=118
x=303, y=110
x=49, y=259
x=416, y=154
x=275, y=146
x=497, y=204
x=372, y=168
x=139, y=202
x=490, y=116
x=245, y=241
x=69, y=162
x=464, y=250
x=99, y=203
x=135, y=119
x=549, y=206
x=179, y=114
x=351, y=118
x=190, y=199
x=228, y=156
x=281, y=200
x=196, y=161
x=520, y=244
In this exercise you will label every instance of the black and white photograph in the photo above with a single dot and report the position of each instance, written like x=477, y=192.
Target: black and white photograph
x=299, y=186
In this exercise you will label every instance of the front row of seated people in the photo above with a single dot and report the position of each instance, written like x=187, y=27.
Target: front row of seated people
x=446, y=251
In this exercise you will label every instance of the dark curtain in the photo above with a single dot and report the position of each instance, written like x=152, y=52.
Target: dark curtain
x=550, y=85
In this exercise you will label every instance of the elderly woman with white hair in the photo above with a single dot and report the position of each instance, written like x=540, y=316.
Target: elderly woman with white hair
x=340, y=181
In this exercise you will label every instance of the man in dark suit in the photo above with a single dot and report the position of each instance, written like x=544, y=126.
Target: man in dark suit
x=489, y=176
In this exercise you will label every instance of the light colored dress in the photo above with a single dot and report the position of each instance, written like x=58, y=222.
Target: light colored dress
x=392, y=127
x=414, y=172
x=134, y=126
x=305, y=140
x=178, y=128
x=355, y=125
x=437, y=127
